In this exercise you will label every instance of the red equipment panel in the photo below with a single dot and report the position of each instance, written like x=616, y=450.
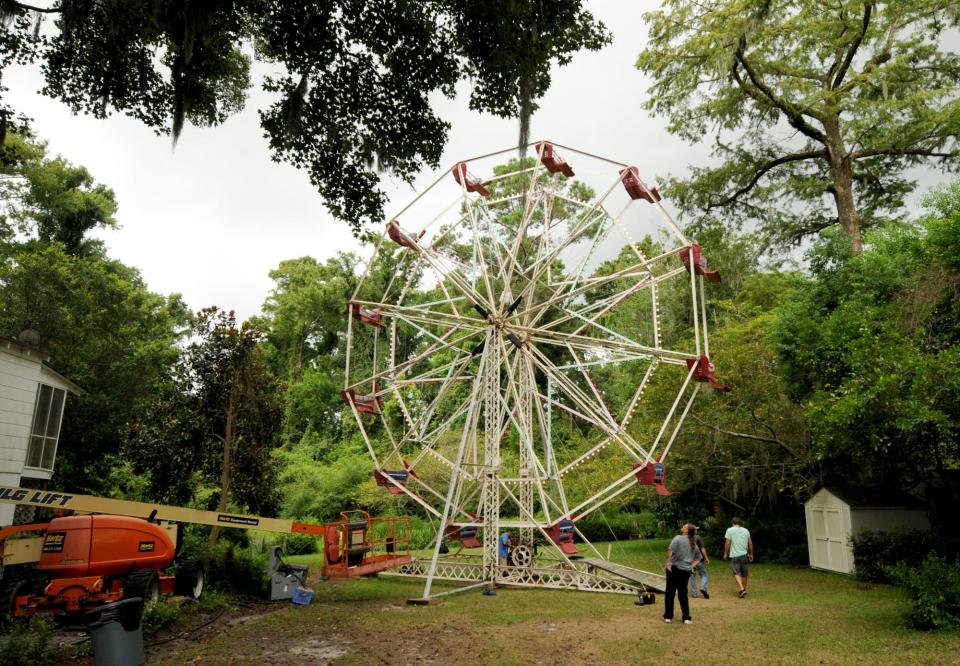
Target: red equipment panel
x=103, y=545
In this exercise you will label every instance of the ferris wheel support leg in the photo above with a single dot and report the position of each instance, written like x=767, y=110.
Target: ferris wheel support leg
x=469, y=426
x=587, y=541
x=490, y=497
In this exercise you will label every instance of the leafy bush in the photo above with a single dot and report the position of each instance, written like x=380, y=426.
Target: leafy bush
x=781, y=539
x=28, y=643
x=619, y=526
x=237, y=570
x=422, y=532
x=297, y=544
x=159, y=615
x=934, y=587
x=874, y=553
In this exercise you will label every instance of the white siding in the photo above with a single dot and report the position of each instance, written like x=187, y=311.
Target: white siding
x=18, y=391
x=887, y=520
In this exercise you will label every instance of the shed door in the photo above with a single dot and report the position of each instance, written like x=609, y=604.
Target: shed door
x=830, y=539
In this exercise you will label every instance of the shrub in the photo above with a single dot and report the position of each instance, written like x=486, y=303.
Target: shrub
x=297, y=544
x=775, y=539
x=159, y=615
x=934, y=587
x=619, y=526
x=28, y=643
x=874, y=553
x=237, y=570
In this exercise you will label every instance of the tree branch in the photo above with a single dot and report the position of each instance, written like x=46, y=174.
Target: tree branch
x=793, y=157
x=892, y=151
x=41, y=10
x=794, y=117
x=854, y=46
x=744, y=435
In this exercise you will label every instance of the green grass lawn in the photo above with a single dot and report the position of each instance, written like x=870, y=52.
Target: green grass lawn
x=793, y=615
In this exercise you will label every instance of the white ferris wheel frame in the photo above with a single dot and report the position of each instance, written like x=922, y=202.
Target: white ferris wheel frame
x=508, y=333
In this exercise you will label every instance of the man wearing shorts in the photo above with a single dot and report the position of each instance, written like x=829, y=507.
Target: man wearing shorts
x=738, y=548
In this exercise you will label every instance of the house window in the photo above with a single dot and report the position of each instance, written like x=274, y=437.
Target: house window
x=42, y=449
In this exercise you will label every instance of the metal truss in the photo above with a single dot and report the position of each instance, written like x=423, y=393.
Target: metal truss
x=559, y=576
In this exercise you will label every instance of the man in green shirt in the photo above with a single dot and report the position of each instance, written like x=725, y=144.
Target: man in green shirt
x=738, y=548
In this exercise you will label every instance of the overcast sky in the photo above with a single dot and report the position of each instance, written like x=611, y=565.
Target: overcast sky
x=210, y=219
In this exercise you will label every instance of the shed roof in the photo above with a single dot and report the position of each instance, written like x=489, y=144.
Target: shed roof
x=875, y=498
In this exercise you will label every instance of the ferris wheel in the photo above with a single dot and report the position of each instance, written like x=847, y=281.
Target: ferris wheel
x=499, y=347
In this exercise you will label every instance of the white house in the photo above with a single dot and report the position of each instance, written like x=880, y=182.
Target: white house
x=32, y=397
x=836, y=514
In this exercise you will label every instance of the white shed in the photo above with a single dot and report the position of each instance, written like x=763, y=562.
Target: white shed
x=836, y=514
x=32, y=398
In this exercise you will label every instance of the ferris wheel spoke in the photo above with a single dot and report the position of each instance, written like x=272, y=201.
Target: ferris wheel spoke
x=673, y=409
x=431, y=350
x=565, y=295
x=422, y=314
x=601, y=401
x=417, y=428
x=591, y=413
x=596, y=416
x=604, y=307
x=433, y=258
x=601, y=346
x=478, y=250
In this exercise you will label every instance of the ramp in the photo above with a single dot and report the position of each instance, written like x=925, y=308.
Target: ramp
x=651, y=581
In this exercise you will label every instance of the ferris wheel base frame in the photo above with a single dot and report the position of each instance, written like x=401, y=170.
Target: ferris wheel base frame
x=578, y=575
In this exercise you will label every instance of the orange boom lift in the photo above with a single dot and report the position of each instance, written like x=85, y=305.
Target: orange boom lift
x=115, y=549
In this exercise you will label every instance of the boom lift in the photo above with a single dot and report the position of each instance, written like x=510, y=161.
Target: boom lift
x=114, y=549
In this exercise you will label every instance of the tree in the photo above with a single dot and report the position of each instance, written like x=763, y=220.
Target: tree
x=238, y=400
x=807, y=101
x=54, y=199
x=869, y=346
x=351, y=97
x=304, y=314
x=105, y=331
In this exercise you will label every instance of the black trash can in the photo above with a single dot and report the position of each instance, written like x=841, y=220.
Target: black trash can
x=116, y=633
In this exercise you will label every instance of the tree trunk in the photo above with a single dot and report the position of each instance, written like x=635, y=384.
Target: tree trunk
x=227, y=474
x=841, y=167
x=298, y=366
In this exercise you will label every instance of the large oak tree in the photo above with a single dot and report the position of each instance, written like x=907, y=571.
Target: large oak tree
x=809, y=103
x=350, y=81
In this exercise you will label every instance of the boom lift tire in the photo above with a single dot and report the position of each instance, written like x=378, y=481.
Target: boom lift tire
x=143, y=584
x=189, y=579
